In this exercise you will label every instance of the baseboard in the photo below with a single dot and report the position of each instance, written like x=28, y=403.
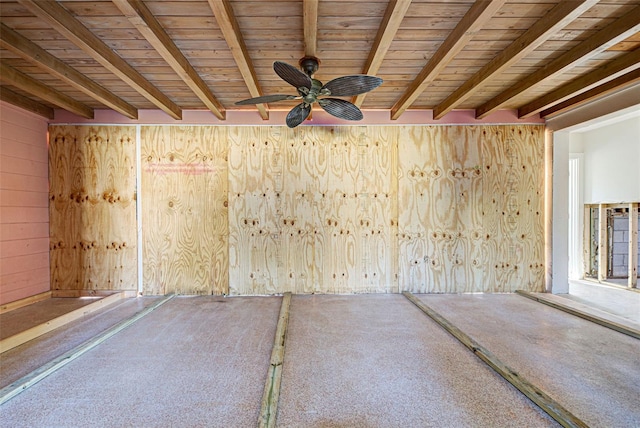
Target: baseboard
x=7, y=307
x=30, y=334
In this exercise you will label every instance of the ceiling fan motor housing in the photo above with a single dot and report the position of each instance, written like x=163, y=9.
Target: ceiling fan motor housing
x=309, y=64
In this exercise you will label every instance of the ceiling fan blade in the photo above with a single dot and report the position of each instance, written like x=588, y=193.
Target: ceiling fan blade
x=340, y=108
x=266, y=99
x=347, y=86
x=298, y=114
x=291, y=75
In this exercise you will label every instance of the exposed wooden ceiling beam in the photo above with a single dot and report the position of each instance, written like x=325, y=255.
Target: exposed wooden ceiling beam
x=557, y=18
x=231, y=30
x=310, y=26
x=28, y=104
x=479, y=13
x=396, y=9
x=607, y=37
x=600, y=91
x=142, y=18
x=63, y=22
x=20, y=80
x=609, y=71
x=28, y=50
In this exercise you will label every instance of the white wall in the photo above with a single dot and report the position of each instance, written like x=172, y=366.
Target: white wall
x=576, y=215
x=560, y=223
x=610, y=150
x=611, y=162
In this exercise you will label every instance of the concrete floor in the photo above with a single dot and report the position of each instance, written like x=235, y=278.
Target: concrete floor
x=618, y=301
x=365, y=360
x=592, y=370
x=378, y=361
x=195, y=361
x=22, y=360
x=21, y=319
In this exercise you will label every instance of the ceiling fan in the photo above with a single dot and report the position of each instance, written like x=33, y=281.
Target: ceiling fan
x=311, y=90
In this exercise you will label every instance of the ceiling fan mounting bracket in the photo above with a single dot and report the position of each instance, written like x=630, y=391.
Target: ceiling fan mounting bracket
x=309, y=64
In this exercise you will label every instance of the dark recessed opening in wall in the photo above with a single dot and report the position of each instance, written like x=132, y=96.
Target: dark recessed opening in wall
x=618, y=242
x=616, y=231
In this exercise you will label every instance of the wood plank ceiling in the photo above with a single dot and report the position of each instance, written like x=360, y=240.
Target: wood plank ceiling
x=539, y=57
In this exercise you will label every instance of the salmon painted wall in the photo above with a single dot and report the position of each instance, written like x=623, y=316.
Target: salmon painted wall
x=24, y=200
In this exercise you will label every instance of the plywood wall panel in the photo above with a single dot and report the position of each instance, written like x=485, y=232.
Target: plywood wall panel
x=470, y=208
x=92, y=207
x=513, y=206
x=255, y=163
x=184, y=209
x=419, y=187
x=268, y=210
x=466, y=172
x=311, y=210
x=376, y=210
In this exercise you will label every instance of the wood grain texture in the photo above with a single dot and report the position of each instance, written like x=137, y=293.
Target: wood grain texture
x=421, y=175
x=342, y=35
x=269, y=210
x=92, y=207
x=184, y=209
x=311, y=210
x=249, y=236
x=36, y=331
x=513, y=188
x=470, y=208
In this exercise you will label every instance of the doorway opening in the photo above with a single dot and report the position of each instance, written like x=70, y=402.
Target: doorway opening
x=611, y=243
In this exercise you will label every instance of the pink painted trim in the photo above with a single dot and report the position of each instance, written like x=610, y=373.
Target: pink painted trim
x=277, y=117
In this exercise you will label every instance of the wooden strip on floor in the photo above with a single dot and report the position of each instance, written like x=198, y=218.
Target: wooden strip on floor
x=567, y=307
x=92, y=293
x=15, y=388
x=33, y=332
x=535, y=394
x=8, y=307
x=269, y=407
